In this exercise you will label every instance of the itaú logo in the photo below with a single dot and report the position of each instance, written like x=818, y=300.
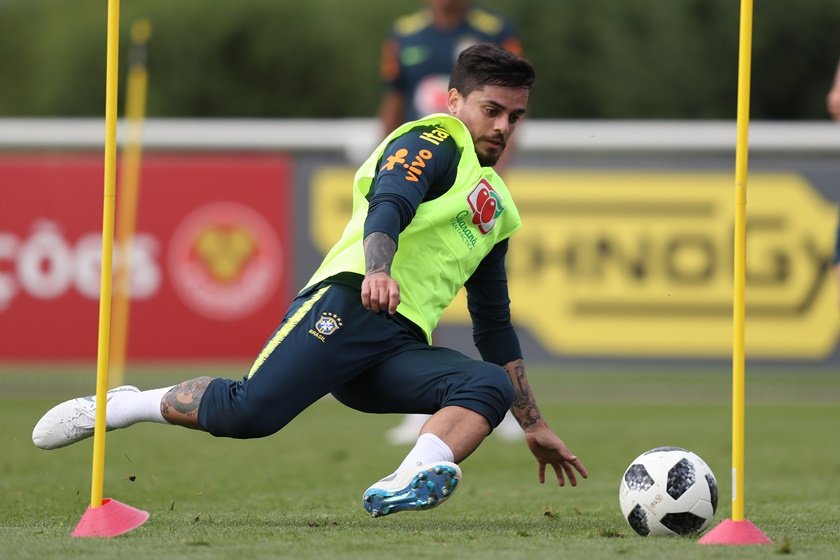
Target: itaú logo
x=225, y=260
x=45, y=264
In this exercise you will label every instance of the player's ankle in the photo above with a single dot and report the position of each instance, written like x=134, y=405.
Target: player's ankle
x=127, y=408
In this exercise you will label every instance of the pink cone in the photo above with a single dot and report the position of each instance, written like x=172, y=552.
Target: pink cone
x=735, y=533
x=110, y=519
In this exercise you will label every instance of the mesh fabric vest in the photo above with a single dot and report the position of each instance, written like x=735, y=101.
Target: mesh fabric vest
x=448, y=237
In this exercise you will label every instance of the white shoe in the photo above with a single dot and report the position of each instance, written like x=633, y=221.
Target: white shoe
x=425, y=487
x=70, y=421
x=509, y=429
x=407, y=430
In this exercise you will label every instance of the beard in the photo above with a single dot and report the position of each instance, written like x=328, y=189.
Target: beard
x=487, y=161
x=488, y=158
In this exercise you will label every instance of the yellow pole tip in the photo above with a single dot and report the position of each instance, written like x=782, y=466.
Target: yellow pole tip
x=141, y=30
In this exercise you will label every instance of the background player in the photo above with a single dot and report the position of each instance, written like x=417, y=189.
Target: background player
x=421, y=50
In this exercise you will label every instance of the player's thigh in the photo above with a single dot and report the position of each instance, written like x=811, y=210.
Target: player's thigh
x=324, y=342
x=326, y=339
x=419, y=380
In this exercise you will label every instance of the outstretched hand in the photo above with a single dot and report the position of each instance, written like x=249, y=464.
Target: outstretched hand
x=549, y=449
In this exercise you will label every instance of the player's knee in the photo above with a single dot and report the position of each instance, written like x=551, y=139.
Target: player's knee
x=494, y=379
x=508, y=392
x=246, y=424
x=488, y=388
x=227, y=410
x=502, y=385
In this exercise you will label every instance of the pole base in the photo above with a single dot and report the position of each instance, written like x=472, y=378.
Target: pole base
x=735, y=533
x=110, y=519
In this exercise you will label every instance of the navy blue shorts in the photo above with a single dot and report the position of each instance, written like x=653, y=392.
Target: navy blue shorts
x=328, y=343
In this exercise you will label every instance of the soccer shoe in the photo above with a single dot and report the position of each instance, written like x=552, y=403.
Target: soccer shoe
x=70, y=421
x=509, y=429
x=425, y=487
x=407, y=430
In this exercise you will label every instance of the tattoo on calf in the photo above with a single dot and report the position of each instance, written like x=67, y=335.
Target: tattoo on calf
x=182, y=401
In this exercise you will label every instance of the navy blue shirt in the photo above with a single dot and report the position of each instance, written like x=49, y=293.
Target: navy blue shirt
x=396, y=194
x=418, y=57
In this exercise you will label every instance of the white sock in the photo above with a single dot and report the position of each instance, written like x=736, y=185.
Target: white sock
x=428, y=449
x=127, y=407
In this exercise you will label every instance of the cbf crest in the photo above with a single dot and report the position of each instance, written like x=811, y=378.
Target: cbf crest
x=326, y=325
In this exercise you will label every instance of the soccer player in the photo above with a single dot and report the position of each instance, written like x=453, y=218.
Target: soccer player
x=430, y=215
x=417, y=59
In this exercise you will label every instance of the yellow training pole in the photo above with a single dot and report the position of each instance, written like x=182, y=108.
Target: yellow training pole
x=738, y=530
x=135, y=112
x=740, y=255
x=107, y=518
x=107, y=250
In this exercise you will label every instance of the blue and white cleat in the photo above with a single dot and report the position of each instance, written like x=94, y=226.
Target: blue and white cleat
x=70, y=421
x=425, y=487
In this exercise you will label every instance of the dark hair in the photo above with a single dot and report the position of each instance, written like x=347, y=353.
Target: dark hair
x=486, y=64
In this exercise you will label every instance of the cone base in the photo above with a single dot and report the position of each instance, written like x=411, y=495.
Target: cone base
x=735, y=533
x=110, y=519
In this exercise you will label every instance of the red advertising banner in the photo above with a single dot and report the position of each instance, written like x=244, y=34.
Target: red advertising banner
x=210, y=260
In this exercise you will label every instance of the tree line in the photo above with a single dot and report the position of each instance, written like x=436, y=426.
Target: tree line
x=611, y=59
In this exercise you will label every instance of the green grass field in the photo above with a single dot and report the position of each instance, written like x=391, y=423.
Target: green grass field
x=297, y=494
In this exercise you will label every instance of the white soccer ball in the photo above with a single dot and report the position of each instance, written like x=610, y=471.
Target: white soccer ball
x=668, y=491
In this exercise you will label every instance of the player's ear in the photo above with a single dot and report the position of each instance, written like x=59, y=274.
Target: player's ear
x=453, y=101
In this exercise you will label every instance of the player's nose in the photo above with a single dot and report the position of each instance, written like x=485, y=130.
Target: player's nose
x=501, y=126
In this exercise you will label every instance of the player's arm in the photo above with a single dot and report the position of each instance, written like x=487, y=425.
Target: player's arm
x=380, y=291
x=489, y=305
x=833, y=99
x=544, y=443
x=493, y=333
x=496, y=340
x=392, y=104
x=395, y=196
x=391, y=110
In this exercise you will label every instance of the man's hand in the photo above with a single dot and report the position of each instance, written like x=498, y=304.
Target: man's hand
x=549, y=449
x=380, y=292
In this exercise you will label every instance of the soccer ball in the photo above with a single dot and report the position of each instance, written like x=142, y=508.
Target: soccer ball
x=668, y=491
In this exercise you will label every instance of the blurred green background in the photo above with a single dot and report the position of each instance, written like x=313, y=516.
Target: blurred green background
x=612, y=59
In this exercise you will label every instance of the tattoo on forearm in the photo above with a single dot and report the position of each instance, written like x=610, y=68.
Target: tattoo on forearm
x=183, y=399
x=524, y=406
x=379, y=252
